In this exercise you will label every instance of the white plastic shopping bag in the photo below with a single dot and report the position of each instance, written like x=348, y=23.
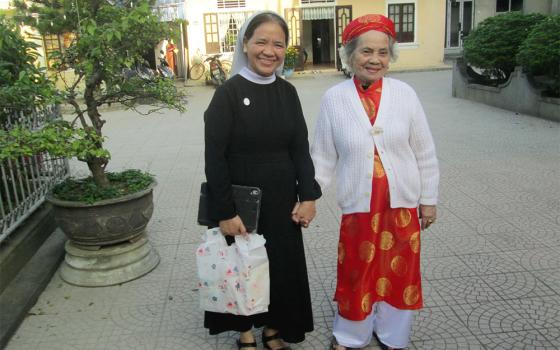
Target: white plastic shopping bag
x=233, y=279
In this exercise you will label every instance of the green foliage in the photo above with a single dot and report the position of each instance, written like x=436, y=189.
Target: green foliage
x=291, y=57
x=85, y=190
x=107, y=37
x=59, y=139
x=540, y=52
x=493, y=45
x=22, y=84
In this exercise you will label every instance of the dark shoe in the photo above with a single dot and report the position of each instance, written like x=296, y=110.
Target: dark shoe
x=241, y=345
x=334, y=344
x=381, y=345
x=266, y=339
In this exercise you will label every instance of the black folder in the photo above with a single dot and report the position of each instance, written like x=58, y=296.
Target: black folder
x=247, y=202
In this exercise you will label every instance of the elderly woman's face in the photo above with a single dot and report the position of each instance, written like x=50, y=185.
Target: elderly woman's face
x=370, y=60
x=266, y=49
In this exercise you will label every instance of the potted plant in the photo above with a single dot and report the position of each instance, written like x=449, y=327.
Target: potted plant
x=290, y=60
x=100, y=64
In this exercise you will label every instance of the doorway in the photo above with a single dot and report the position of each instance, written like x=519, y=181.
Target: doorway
x=321, y=36
x=459, y=22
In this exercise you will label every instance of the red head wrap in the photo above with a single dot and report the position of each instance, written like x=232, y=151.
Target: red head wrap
x=366, y=23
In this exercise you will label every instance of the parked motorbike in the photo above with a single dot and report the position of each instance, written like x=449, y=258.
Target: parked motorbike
x=217, y=74
x=140, y=70
x=163, y=68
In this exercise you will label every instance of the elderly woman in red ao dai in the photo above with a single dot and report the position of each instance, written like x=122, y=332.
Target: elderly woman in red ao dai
x=373, y=134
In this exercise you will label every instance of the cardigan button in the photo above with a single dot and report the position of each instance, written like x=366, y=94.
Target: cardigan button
x=370, y=155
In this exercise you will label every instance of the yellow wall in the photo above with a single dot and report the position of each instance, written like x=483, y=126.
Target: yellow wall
x=427, y=50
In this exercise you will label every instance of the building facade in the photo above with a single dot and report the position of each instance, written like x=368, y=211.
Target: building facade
x=464, y=15
x=316, y=26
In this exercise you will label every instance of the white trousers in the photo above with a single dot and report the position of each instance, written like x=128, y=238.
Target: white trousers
x=391, y=325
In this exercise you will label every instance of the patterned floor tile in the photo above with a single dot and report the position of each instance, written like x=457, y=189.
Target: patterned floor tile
x=436, y=323
x=127, y=319
x=492, y=317
x=491, y=263
x=516, y=340
x=537, y=259
x=455, y=343
x=516, y=285
x=444, y=268
x=186, y=339
x=542, y=312
x=464, y=290
x=469, y=244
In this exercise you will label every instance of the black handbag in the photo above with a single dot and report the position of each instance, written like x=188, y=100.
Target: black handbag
x=247, y=202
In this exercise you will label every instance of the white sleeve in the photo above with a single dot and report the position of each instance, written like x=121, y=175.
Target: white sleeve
x=424, y=150
x=323, y=150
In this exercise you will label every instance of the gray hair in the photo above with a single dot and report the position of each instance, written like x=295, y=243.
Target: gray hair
x=347, y=52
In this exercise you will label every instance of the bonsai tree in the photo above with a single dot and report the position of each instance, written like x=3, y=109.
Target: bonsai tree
x=102, y=39
x=493, y=45
x=539, y=54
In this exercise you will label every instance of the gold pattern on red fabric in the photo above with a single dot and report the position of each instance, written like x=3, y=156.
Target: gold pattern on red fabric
x=378, y=254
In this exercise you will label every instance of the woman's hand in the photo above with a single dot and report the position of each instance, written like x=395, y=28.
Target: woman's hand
x=303, y=213
x=428, y=214
x=233, y=226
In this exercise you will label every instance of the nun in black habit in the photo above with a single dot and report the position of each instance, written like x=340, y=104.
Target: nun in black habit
x=255, y=135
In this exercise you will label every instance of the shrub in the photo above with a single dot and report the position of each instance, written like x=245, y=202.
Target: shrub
x=22, y=84
x=493, y=45
x=539, y=54
x=291, y=57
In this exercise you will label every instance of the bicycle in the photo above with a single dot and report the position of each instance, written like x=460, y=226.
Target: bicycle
x=199, y=67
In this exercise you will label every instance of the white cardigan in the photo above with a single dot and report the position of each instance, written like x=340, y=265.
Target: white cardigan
x=345, y=142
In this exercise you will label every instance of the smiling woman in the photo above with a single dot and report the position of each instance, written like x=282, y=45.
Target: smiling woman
x=265, y=48
x=255, y=135
x=376, y=126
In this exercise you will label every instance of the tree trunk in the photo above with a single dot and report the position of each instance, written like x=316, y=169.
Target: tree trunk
x=97, y=168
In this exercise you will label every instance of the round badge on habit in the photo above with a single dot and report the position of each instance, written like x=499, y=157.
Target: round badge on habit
x=246, y=101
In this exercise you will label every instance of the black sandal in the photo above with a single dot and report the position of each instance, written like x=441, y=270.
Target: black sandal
x=246, y=345
x=267, y=338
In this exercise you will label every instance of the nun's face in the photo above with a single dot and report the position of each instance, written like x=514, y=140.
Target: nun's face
x=370, y=60
x=266, y=49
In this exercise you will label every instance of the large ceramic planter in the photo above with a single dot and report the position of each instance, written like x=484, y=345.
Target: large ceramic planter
x=105, y=222
x=107, y=242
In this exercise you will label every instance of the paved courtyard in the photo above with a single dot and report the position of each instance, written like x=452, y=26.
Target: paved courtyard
x=491, y=264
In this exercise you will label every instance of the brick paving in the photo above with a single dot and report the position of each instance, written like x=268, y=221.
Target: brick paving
x=491, y=266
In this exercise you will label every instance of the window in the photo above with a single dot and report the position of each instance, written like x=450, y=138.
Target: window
x=403, y=17
x=227, y=4
x=56, y=43
x=221, y=30
x=230, y=37
x=509, y=5
x=211, y=33
x=51, y=43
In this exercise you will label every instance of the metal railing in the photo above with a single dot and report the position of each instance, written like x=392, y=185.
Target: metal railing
x=24, y=181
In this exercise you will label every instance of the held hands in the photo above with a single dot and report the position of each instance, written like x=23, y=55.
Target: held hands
x=428, y=214
x=303, y=213
x=233, y=226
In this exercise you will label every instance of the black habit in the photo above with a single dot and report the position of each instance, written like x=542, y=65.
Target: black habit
x=255, y=135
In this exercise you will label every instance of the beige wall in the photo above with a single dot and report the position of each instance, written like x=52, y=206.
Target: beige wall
x=487, y=8
x=426, y=52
